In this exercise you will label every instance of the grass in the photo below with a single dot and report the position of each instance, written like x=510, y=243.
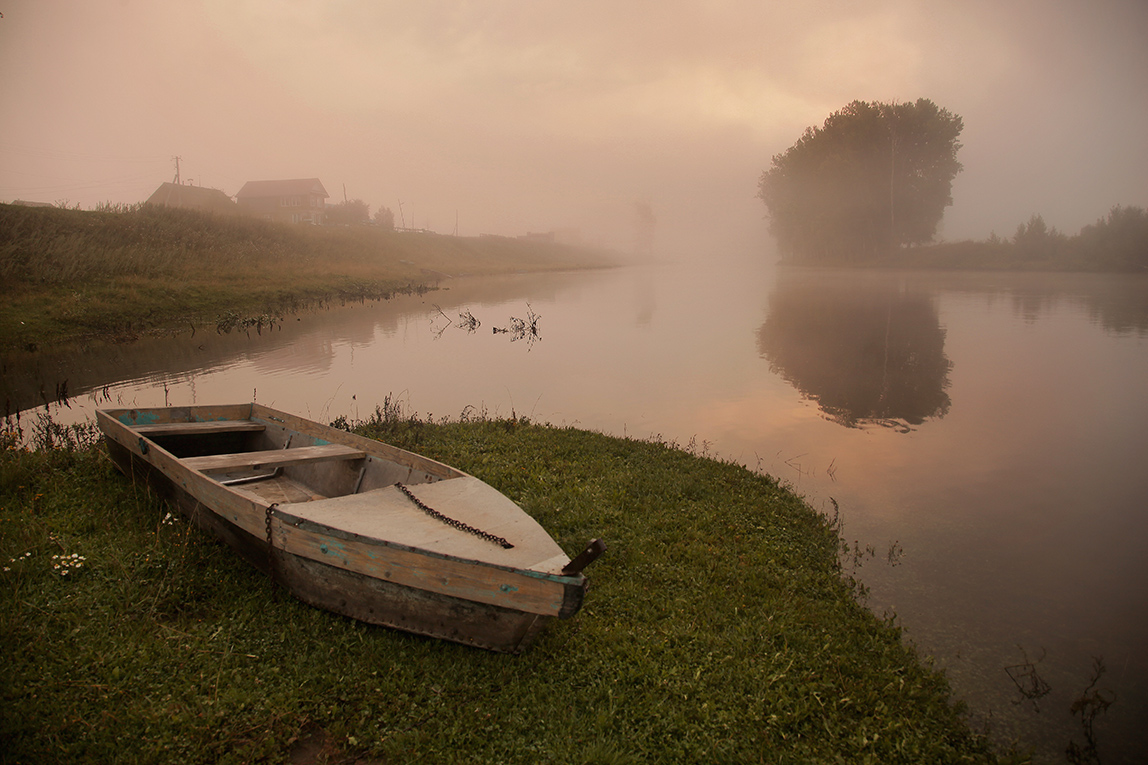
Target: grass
x=72, y=275
x=718, y=627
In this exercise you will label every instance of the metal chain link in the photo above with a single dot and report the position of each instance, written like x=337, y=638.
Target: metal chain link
x=270, y=543
x=451, y=521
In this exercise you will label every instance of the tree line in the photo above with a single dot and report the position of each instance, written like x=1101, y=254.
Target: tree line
x=872, y=183
x=1116, y=242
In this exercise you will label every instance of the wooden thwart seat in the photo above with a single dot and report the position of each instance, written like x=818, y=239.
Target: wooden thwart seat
x=199, y=428
x=226, y=463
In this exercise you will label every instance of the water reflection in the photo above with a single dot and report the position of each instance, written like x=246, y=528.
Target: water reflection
x=872, y=355
x=306, y=343
x=1116, y=303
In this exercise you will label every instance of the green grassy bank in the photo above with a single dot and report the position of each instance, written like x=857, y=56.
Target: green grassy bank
x=718, y=628
x=72, y=274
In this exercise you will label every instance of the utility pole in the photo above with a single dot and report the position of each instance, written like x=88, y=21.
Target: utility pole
x=176, y=181
x=402, y=218
x=892, y=182
x=344, y=193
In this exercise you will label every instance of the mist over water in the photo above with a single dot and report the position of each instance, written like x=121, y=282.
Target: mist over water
x=983, y=434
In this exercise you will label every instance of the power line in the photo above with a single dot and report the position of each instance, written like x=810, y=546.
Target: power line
x=38, y=151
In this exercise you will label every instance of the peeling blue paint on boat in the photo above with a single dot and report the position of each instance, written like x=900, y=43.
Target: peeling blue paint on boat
x=334, y=549
x=139, y=418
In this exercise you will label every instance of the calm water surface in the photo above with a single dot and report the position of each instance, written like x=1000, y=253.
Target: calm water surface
x=984, y=436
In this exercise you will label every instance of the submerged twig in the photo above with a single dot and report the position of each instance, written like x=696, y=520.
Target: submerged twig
x=1024, y=676
x=1091, y=703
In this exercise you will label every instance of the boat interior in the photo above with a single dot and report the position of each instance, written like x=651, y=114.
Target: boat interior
x=282, y=465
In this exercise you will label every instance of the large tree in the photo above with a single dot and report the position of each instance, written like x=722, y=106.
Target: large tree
x=875, y=176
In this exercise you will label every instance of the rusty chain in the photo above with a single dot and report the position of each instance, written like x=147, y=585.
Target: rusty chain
x=270, y=543
x=451, y=521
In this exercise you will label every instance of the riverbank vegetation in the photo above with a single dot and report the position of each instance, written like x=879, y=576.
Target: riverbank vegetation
x=1118, y=243
x=718, y=628
x=73, y=274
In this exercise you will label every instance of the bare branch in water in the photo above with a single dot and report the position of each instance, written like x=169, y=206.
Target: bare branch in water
x=1024, y=676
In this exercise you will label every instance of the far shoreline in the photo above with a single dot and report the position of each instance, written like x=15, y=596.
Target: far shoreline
x=78, y=277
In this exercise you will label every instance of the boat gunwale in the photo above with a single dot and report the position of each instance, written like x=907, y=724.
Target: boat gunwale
x=306, y=524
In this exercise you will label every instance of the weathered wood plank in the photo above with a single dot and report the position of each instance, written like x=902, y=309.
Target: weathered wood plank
x=199, y=428
x=412, y=568
x=136, y=417
x=392, y=605
x=222, y=463
x=278, y=489
x=370, y=446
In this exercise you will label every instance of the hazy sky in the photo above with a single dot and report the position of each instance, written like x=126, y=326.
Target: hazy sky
x=535, y=114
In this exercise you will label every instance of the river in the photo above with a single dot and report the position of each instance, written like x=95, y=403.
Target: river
x=983, y=436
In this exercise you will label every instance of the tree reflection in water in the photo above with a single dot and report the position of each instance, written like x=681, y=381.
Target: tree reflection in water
x=866, y=353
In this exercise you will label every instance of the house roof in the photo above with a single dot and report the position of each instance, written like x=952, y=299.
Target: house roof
x=296, y=187
x=195, y=197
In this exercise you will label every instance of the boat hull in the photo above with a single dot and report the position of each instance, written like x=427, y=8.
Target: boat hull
x=284, y=547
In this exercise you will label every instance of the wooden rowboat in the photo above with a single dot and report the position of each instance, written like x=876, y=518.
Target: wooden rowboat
x=353, y=525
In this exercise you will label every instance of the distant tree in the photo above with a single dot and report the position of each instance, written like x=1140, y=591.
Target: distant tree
x=385, y=218
x=352, y=212
x=1119, y=241
x=1037, y=240
x=875, y=176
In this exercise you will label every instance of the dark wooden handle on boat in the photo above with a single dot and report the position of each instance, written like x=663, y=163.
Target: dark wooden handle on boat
x=585, y=558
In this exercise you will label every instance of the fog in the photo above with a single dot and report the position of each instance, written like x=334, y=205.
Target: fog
x=529, y=116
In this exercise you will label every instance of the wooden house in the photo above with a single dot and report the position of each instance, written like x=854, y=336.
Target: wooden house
x=193, y=198
x=302, y=200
